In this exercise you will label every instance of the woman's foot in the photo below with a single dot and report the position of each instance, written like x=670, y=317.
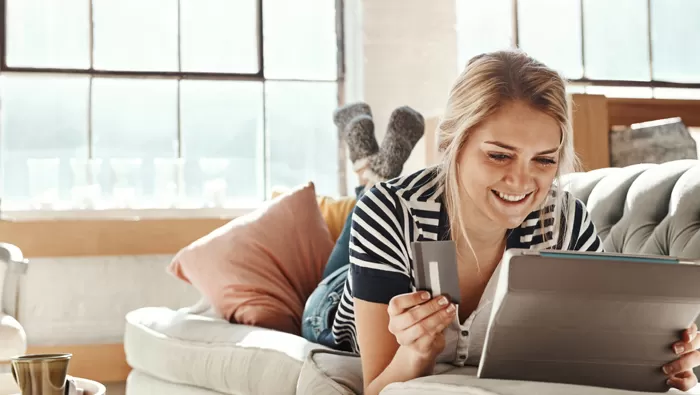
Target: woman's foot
x=405, y=129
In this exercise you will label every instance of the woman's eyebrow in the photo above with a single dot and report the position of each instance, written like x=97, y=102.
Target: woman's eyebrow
x=511, y=148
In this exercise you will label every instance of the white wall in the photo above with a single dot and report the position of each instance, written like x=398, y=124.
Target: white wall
x=401, y=52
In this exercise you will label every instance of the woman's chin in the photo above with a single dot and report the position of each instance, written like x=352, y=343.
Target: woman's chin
x=509, y=222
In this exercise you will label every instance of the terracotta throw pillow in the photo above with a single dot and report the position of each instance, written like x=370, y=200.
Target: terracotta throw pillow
x=334, y=210
x=260, y=268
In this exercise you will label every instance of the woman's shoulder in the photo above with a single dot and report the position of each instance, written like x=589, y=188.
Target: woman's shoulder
x=419, y=186
x=569, y=219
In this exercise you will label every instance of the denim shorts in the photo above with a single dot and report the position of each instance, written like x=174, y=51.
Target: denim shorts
x=320, y=309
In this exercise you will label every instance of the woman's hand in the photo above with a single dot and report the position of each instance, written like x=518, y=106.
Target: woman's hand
x=680, y=371
x=417, y=323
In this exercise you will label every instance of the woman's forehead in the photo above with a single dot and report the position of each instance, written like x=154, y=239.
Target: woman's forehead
x=521, y=126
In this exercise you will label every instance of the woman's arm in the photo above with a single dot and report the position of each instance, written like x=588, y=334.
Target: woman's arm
x=383, y=360
x=415, y=325
x=380, y=367
x=396, y=328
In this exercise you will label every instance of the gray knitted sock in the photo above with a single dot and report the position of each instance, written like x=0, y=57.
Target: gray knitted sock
x=359, y=135
x=344, y=114
x=406, y=127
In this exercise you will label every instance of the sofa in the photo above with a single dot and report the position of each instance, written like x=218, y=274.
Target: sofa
x=646, y=208
x=13, y=340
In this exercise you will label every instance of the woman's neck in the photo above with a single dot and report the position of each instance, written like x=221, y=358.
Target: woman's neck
x=481, y=231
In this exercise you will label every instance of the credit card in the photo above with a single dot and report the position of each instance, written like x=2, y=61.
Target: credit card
x=435, y=268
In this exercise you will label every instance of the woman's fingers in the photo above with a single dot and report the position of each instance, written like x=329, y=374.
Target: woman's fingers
x=687, y=346
x=686, y=362
x=417, y=313
x=428, y=326
x=400, y=303
x=684, y=381
x=691, y=333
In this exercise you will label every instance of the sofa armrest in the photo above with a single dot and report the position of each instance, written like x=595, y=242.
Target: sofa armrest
x=11, y=256
x=13, y=339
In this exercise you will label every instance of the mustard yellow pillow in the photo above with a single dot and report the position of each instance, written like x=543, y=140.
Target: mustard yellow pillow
x=333, y=210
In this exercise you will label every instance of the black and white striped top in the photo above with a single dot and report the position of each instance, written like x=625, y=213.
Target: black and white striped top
x=395, y=213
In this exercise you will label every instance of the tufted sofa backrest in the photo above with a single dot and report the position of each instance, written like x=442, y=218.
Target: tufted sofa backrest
x=646, y=208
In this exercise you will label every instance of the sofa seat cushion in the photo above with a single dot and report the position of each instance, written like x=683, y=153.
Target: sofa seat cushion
x=463, y=381
x=13, y=340
x=139, y=383
x=208, y=352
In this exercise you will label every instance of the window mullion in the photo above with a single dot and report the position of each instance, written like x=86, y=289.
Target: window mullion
x=340, y=81
x=651, y=55
x=514, y=19
x=89, y=116
x=91, y=41
x=179, y=80
x=265, y=150
x=583, y=41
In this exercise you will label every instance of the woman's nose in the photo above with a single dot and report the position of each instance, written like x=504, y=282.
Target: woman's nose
x=520, y=178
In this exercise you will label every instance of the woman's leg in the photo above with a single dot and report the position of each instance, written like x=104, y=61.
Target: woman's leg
x=340, y=256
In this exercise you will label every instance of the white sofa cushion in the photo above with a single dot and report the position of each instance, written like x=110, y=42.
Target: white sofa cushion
x=139, y=383
x=330, y=372
x=463, y=381
x=13, y=340
x=207, y=352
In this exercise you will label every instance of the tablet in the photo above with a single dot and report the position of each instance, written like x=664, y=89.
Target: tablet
x=599, y=319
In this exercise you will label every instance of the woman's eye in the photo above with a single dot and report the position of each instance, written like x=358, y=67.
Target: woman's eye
x=546, y=161
x=499, y=157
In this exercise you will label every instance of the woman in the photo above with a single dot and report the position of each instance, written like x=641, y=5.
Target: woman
x=505, y=138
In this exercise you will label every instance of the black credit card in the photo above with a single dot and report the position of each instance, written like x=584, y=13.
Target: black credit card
x=435, y=268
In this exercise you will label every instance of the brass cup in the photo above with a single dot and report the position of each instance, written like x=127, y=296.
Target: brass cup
x=41, y=374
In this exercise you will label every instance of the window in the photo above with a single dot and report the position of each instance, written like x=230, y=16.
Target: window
x=633, y=48
x=162, y=103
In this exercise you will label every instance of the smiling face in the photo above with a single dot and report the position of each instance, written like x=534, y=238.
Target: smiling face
x=508, y=164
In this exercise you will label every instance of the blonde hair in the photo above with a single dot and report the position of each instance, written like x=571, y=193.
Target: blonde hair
x=488, y=82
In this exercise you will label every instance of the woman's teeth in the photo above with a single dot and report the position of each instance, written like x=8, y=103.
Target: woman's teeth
x=511, y=198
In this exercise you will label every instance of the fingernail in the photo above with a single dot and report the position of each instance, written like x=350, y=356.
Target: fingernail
x=678, y=348
x=667, y=369
x=425, y=296
x=451, y=308
x=442, y=301
x=668, y=382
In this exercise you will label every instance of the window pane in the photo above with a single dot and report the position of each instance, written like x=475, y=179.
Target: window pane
x=675, y=30
x=572, y=88
x=302, y=140
x=46, y=33
x=483, y=26
x=42, y=117
x=135, y=35
x=219, y=36
x=620, y=91
x=222, y=123
x=560, y=51
x=616, y=39
x=300, y=39
x=133, y=118
x=677, y=93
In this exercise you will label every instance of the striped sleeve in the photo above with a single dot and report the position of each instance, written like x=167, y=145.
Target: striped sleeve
x=379, y=260
x=586, y=235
